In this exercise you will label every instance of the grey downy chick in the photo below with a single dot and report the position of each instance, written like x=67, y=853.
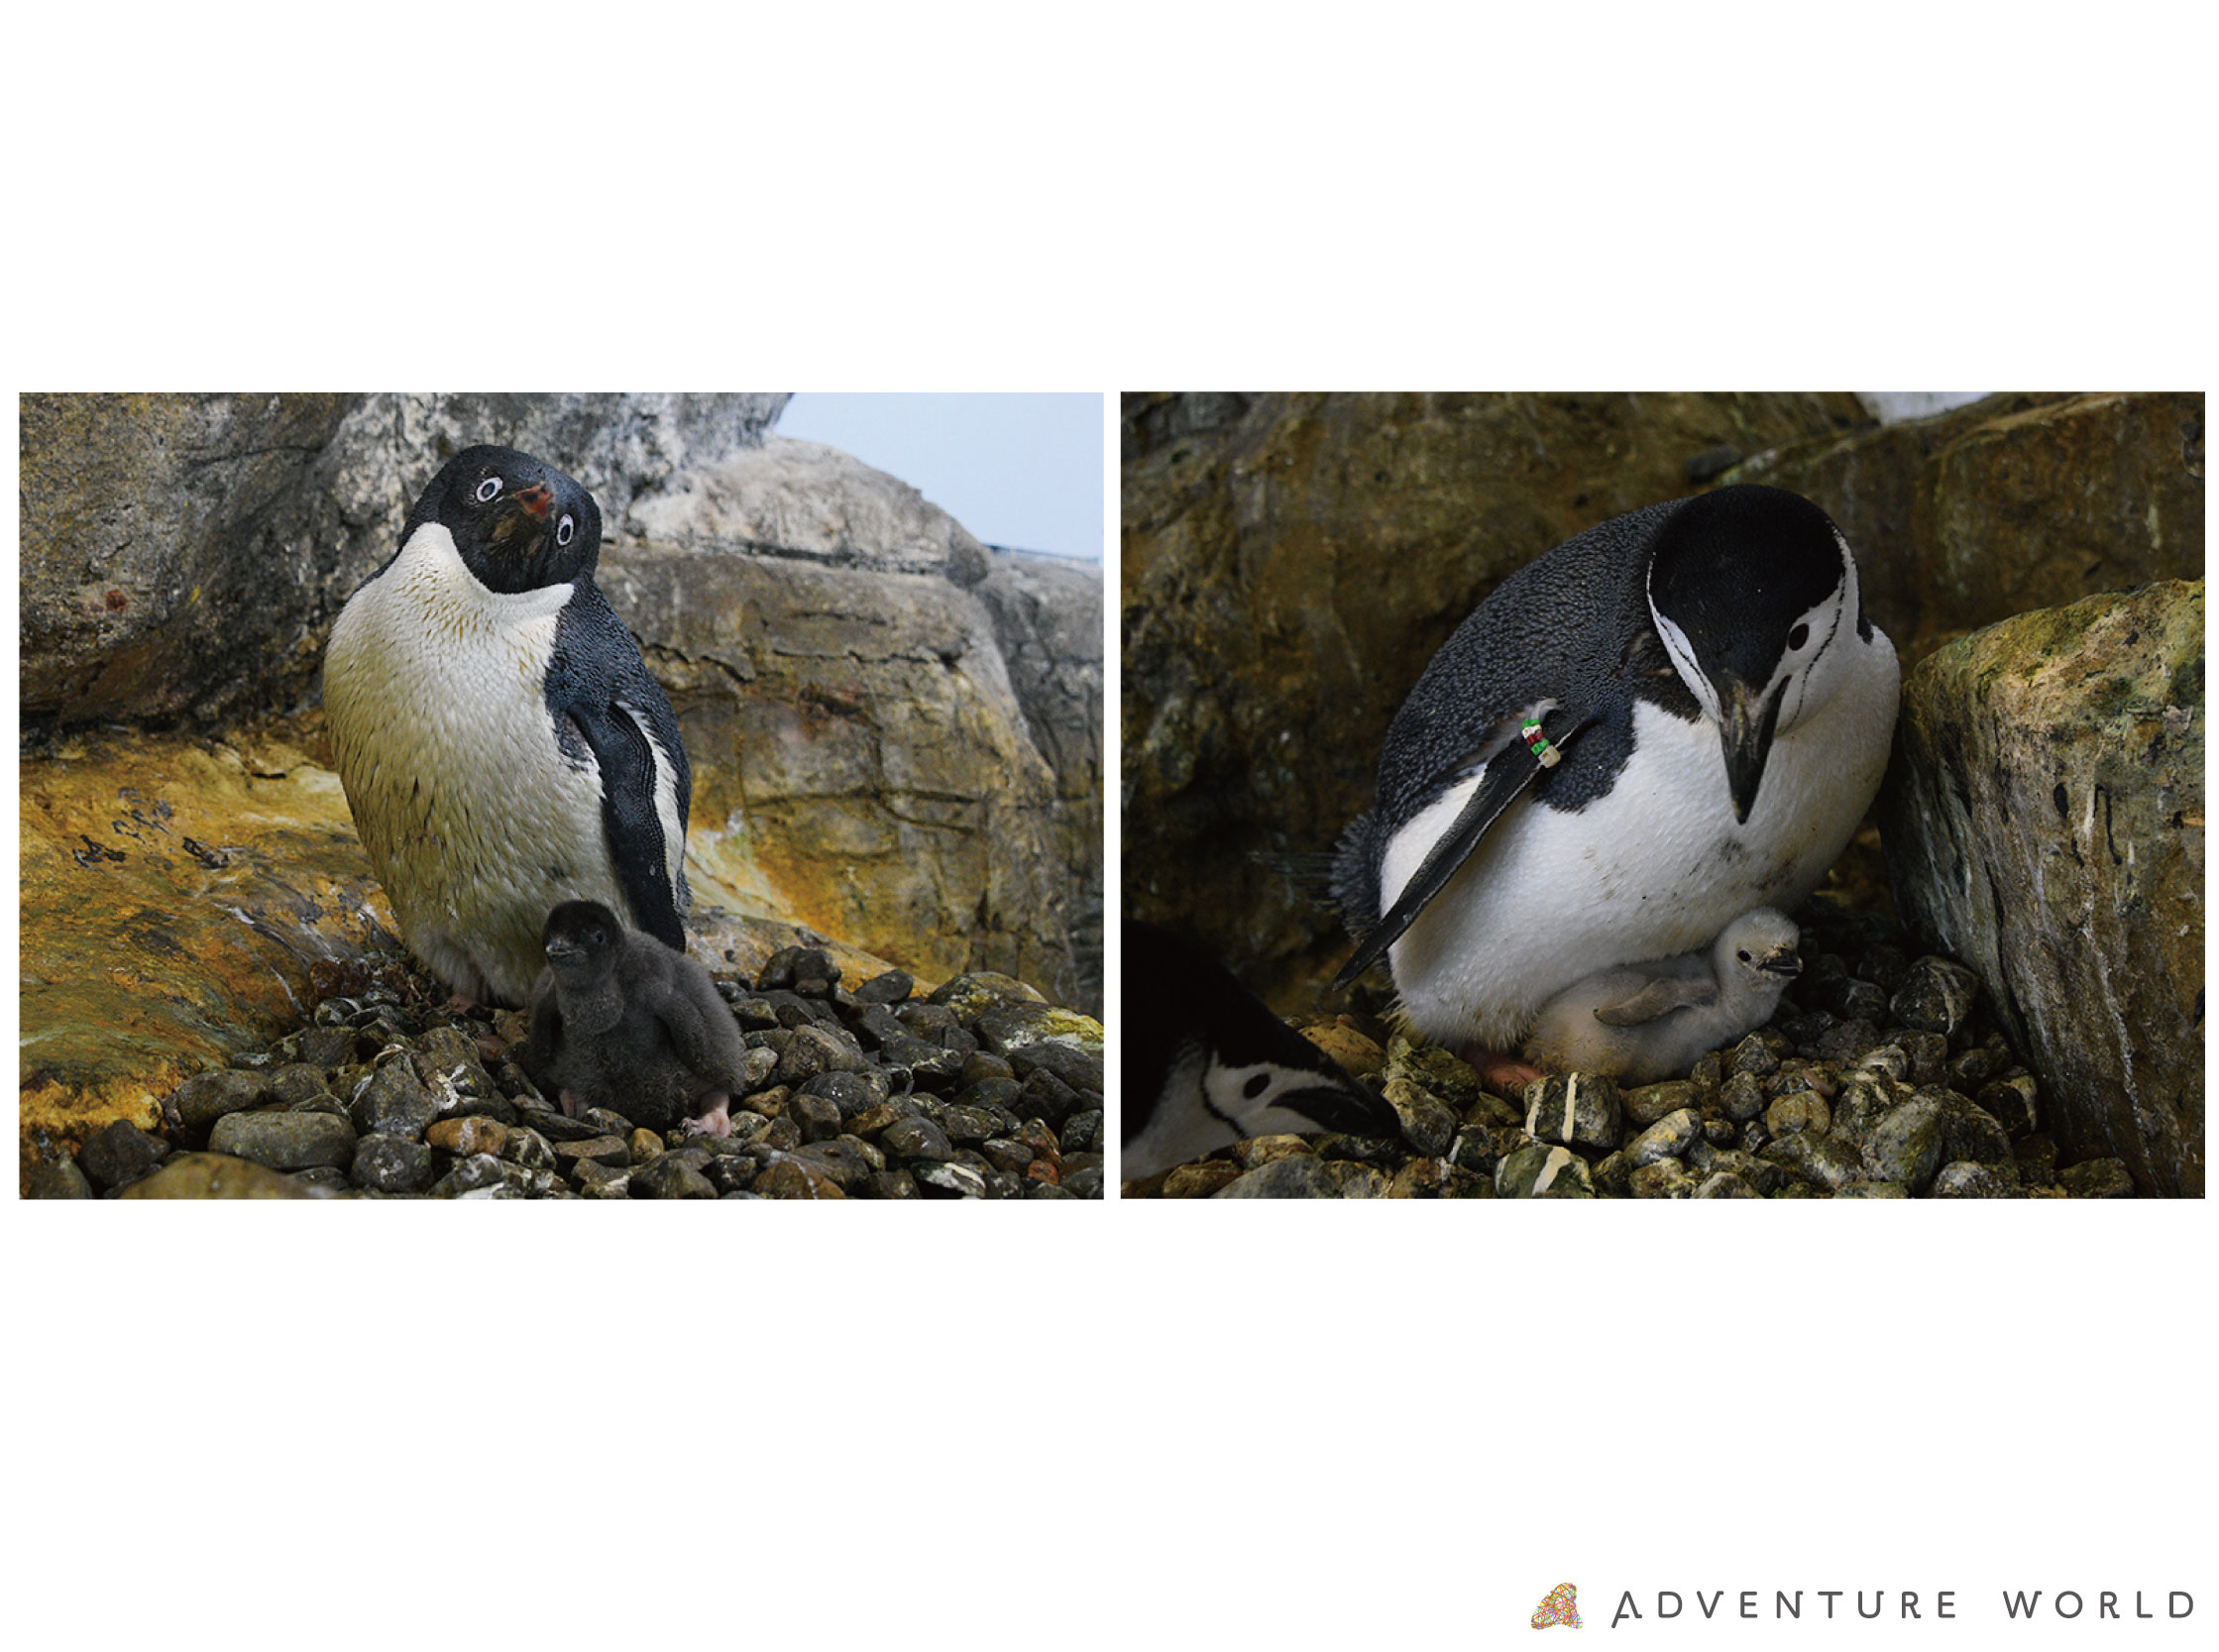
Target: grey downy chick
x=1641, y=1023
x=620, y=1021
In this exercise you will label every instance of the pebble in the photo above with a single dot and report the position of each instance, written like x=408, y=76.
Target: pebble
x=1670, y=1137
x=120, y=1155
x=391, y=1093
x=1298, y=1176
x=285, y=1141
x=1579, y=1110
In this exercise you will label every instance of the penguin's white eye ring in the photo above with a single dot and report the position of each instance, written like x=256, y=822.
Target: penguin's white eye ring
x=1798, y=636
x=489, y=490
x=566, y=532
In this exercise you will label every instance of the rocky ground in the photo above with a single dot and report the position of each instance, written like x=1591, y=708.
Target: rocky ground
x=1880, y=1076
x=977, y=1090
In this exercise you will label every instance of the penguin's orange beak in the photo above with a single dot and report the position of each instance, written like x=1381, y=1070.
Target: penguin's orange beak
x=538, y=499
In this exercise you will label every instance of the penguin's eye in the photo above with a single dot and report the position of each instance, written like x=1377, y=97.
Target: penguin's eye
x=566, y=532
x=1258, y=1083
x=1744, y=955
x=489, y=490
x=1798, y=636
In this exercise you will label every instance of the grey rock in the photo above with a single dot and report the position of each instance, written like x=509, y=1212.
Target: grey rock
x=1540, y=1170
x=1964, y=1179
x=1801, y=1111
x=120, y=1155
x=1670, y=1137
x=201, y=1100
x=948, y=1179
x=670, y=1176
x=481, y=1172
x=1741, y=1097
x=2012, y=1101
x=1580, y=1110
x=57, y=1178
x=2097, y=1178
x=1820, y=1162
x=1651, y=1102
x=1428, y=1124
x=1906, y=1143
x=1663, y=1178
x=285, y=1141
x=1298, y=1176
x=1082, y=1132
x=2043, y=823
x=1937, y=996
x=388, y=1163
x=395, y=1102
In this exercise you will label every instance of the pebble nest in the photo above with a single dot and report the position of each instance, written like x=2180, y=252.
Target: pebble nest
x=976, y=1090
x=1878, y=1076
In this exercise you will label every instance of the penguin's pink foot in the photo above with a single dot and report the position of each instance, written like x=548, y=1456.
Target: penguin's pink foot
x=716, y=1121
x=1499, y=1070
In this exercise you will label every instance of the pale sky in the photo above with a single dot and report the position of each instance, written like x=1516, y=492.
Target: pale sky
x=1019, y=468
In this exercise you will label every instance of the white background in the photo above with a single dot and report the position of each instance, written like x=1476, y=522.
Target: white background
x=1295, y=1426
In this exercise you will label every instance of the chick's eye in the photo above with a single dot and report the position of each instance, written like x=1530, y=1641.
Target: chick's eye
x=566, y=532
x=1798, y=636
x=489, y=490
x=1256, y=1085
x=1743, y=955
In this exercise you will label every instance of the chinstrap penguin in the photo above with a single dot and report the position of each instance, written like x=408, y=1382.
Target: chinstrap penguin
x=1207, y=1064
x=1645, y=1021
x=503, y=746
x=620, y=1021
x=1720, y=709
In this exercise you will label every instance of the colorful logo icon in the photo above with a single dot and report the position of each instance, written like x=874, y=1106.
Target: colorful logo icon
x=1560, y=1606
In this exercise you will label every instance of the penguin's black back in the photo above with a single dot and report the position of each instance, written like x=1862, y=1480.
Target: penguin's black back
x=1573, y=627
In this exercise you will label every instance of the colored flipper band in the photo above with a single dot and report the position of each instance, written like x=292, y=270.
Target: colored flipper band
x=1537, y=742
x=1562, y=1606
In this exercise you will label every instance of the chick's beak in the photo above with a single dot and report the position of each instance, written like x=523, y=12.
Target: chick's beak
x=1783, y=964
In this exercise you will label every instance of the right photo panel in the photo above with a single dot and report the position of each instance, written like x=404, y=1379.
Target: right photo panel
x=1766, y=795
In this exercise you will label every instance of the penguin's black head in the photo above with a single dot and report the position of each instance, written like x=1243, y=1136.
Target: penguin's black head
x=1207, y=1063
x=1754, y=594
x=581, y=937
x=518, y=524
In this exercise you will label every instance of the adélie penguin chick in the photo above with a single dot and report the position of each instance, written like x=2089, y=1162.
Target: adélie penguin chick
x=503, y=746
x=620, y=1021
x=1666, y=722
x=1207, y=1064
x=1641, y=1022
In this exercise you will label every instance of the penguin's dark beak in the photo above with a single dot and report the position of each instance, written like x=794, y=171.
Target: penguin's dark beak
x=1782, y=963
x=1746, y=734
x=1347, y=1108
x=562, y=949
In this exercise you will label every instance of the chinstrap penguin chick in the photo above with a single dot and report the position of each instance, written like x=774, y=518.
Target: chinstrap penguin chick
x=620, y=1021
x=1719, y=706
x=503, y=746
x=1207, y=1064
x=1641, y=1022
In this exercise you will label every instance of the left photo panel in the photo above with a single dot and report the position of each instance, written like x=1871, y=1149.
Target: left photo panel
x=561, y=796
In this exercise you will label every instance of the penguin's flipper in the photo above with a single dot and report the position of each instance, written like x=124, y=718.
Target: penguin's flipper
x=598, y=689
x=1658, y=998
x=701, y=1029
x=1506, y=778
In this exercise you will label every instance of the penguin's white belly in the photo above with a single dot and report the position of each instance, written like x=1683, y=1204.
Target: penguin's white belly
x=1657, y=866
x=476, y=822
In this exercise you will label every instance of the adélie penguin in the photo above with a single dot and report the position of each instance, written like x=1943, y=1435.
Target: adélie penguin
x=1668, y=721
x=502, y=744
x=1639, y=1022
x=1207, y=1064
